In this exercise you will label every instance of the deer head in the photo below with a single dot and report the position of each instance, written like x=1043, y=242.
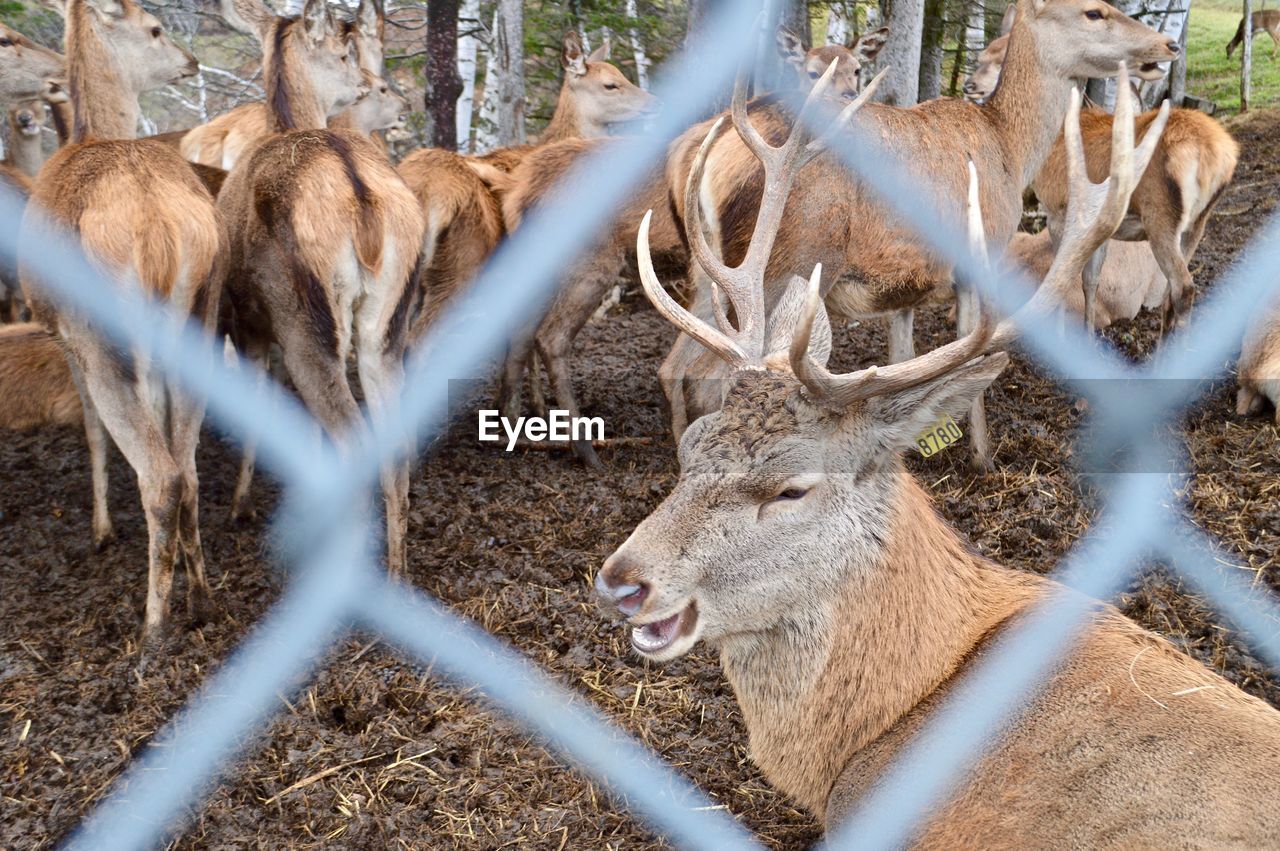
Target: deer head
x=311, y=68
x=135, y=43
x=1091, y=39
x=600, y=93
x=380, y=109
x=810, y=63
x=28, y=118
x=786, y=494
x=986, y=71
x=26, y=67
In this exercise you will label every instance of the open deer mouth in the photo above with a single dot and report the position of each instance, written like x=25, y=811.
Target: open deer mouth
x=656, y=636
x=1150, y=71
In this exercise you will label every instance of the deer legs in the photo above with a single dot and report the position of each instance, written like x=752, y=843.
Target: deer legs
x=902, y=345
x=1090, y=278
x=968, y=308
x=99, y=453
x=1167, y=248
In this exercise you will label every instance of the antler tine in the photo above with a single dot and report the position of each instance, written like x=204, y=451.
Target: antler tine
x=1094, y=211
x=713, y=340
x=736, y=283
x=842, y=391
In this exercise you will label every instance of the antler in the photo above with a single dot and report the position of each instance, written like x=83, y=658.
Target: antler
x=743, y=346
x=1094, y=210
x=841, y=391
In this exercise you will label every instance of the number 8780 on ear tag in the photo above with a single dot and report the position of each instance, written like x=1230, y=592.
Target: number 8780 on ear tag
x=943, y=433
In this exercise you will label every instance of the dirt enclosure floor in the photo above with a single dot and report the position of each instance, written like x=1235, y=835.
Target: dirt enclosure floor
x=374, y=752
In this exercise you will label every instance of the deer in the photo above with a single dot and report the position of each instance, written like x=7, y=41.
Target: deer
x=27, y=70
x=876, y=265
x=1195, y=163
x=809, y=63
x=27, y=121
x=846, y=611
x=222, y=141
x=326, y=240
x=1258, y=370
x=594, y=97
x=1266, y=20
x=35, y=381
x=546, y=169
x=141, y=215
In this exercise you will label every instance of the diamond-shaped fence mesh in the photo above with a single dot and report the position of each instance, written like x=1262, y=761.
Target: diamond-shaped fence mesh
x=336, y=585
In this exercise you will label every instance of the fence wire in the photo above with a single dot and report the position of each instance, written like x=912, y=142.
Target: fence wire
x=335, y=585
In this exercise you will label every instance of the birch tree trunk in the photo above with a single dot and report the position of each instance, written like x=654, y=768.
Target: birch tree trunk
x=1246, y=58
x=838, y=29
x=901, y=54
x=637, y=48
x=511, y=90
x=487, y=129
x=975, y=32
x=697, y=42
x=444, y=84
x=931, y=50
x=468, y=49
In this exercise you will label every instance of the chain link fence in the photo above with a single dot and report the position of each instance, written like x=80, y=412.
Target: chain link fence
x=335, y=583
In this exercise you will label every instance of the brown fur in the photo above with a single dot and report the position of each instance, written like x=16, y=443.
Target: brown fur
x=464, y=224
x=35, y=381
x=141, y=214
x=26, y=68
x=26, y=138
x=12, y=306
x=1192, y=165
x=1265, y=20
x=1258, y=371
x=325, y=243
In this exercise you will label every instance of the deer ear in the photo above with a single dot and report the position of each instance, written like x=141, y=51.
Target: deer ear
x=780, y=328
x=369, y=18
x=790, y=47
x=571, y=54
x=901, y=417
x=248, y=16
x=869, y=46
x=317, y=20
x=107, y=8
x=602, y=53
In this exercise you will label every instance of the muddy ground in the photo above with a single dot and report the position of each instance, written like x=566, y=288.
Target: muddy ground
x=513, y=542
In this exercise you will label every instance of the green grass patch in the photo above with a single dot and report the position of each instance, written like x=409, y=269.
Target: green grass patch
x=1210, y=74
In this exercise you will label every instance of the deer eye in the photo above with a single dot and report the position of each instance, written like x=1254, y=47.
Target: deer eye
x=613, y=87
x=1094, y=14
x=5, y=41
x=382, y=89
x=813, y=75
x=791, y=494
x=155, y=32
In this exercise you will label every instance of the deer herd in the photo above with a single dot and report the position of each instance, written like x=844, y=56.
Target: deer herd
x=844, y=609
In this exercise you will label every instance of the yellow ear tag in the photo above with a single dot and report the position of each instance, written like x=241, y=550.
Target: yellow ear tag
x=943, y=433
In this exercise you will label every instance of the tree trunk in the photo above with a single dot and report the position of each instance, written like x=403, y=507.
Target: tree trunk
x=931, y=49
x=792, y=14
x=839, y=30
x=901, y=54
x=1246, y=58
x=487, y=128
x=511, y=92
x=698, y=42
x=468, y=48
x=1178, y=72
x=975, y=32
x=637, y=48
x=444, y=84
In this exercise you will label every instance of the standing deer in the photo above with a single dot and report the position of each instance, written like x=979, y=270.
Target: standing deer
x=325, y=240
x=809, y=63
x=846, y=611
x=222, y=141
x=142, y=216
x=594, y=97
x=876, y=265
x=1171, y=207
x=1266, y=20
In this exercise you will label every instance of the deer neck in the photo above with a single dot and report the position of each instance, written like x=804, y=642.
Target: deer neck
x=567, y=122
x=26, y=153
x=103, y=106
x=1028, y=106
x=831, y=681
x=295, y=104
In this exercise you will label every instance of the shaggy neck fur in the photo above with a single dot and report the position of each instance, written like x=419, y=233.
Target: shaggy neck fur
x=1028, y=106
x=103, y=106
x=293, y=99
x=814, y=692
x=567, y=122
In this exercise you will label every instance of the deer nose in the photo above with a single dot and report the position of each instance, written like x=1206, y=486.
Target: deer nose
x=615, y=586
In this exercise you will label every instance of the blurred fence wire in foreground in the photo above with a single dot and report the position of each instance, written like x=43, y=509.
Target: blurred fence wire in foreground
x=335, y=584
